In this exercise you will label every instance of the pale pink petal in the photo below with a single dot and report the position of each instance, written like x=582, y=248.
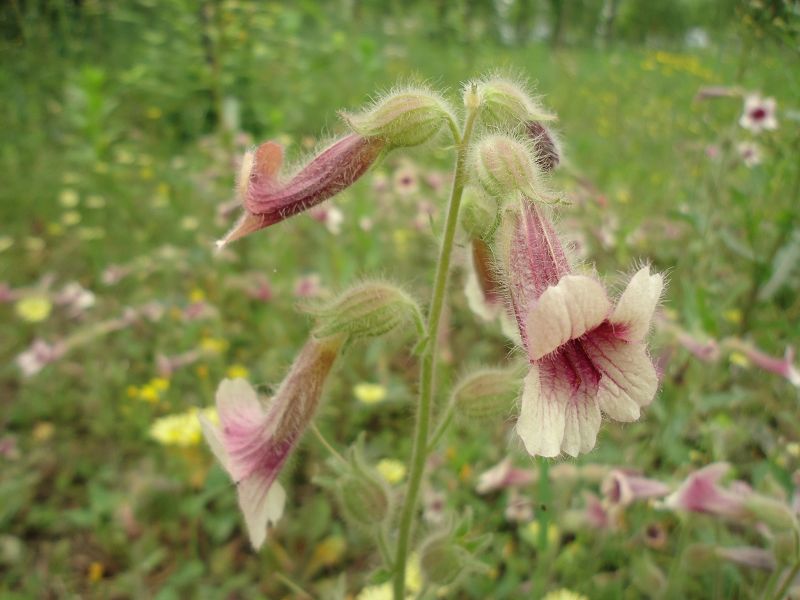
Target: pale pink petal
x=213, y=438
x=629, y=380
x=582, y=424
x=631, y=318
x=565, y=312
x=492, y=480
x=541, y=420
x=261, y=500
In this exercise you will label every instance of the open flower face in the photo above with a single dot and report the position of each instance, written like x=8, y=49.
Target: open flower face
x=587, y=356
x=758, y=114
x=254, y=441
x=268, y=200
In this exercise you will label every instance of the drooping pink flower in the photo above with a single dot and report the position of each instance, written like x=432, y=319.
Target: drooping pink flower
x=586, y=355
x=623, y=487
x=784, y=367
x=758, y=114
x=254, y=440
x=504, y=475
x=702, y=493
x=596, y=515
x=268, y=200
x=38, y=356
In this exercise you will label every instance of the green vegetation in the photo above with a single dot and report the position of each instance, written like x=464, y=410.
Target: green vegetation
x=123, y=127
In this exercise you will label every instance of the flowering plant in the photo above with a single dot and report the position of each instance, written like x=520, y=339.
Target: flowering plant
x=585, y=356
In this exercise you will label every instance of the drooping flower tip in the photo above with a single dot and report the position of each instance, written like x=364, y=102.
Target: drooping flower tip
x=268, y=199
x=402, y=118
x=253, y=441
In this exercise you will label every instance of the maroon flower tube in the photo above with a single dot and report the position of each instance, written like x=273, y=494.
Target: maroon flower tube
x=268, y=200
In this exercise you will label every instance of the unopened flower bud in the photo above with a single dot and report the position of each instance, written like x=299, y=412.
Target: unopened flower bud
x=504, y=166
x=504, y=101
x=486, y=393
x=478, y=214
x=363, y=497
x=545, y=145
x=442, y=560
x=366, y=310
x=405, y=118
x=774, y=513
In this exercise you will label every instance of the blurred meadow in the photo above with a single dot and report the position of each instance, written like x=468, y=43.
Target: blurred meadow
x=124, y=123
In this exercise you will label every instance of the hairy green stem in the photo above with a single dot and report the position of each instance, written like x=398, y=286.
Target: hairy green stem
x=427, y=363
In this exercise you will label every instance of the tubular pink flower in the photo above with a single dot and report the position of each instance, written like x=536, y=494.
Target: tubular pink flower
x=779, y=366
x=702, y=493
x=268, y=200
x=586, y=355
x=504, y=475
x=623, y=487
x=253, y=441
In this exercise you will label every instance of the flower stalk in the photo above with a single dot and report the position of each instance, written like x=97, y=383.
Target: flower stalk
x=427, y=362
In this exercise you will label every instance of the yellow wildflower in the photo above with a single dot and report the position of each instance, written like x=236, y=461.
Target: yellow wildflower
x=564, y=594
x=197, y=295
x=384, y=591
x=95, y=201
x=95, y=572
x=235, y=371
x=43, y=431
x=34, y=244
x=132, y=391
x=153, y=112
x=553, y=534
x=34, y=308
x=6, y=242
x=734, y=315
x=149, y=393
x=70, y=218
x=182, y=429
x=213, y=345
x=161, y=384
x=369, y=393
x=737, y=358
x=376, y=592
x=68, y=198
x=190, y=223
x=391, y=470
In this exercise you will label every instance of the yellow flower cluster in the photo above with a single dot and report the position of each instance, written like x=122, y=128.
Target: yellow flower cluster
x=182, y=429
x=564, y=594
x=669, y=62
x=391, y=470
x=369, y=393
x=33, y=308
x=151, y=391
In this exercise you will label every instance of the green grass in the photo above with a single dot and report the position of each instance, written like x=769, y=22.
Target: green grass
x=111, y=108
